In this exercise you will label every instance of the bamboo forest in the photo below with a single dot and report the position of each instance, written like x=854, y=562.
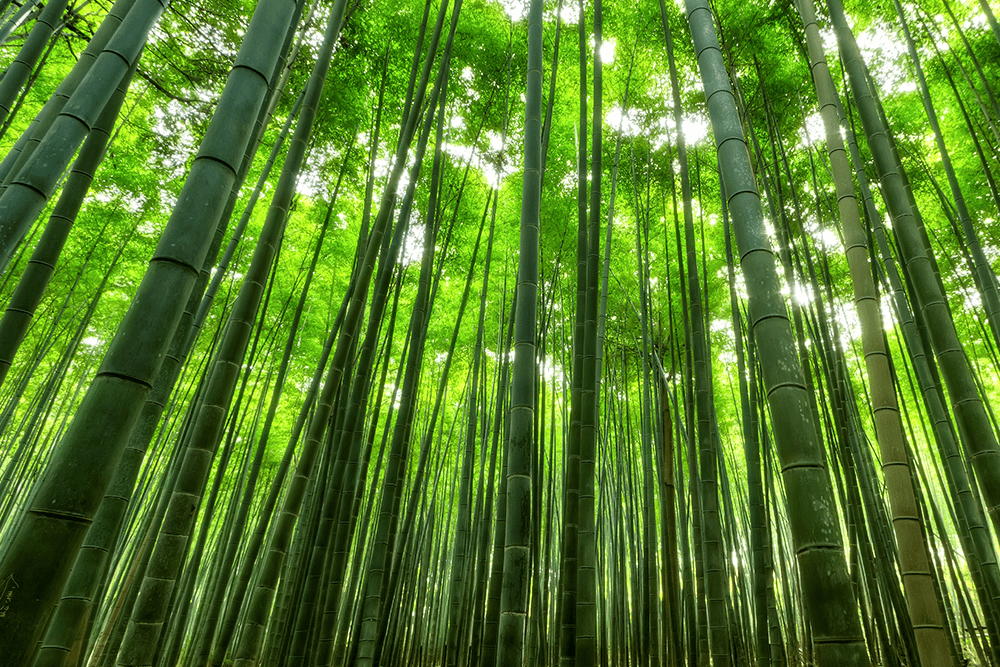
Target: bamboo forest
x=514, y=333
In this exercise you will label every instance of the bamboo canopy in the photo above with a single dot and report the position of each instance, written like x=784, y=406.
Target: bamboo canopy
x=504, y=333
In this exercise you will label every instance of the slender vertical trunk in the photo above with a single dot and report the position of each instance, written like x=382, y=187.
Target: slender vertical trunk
x=517, y=542
x=827, y=594
x=923, y=604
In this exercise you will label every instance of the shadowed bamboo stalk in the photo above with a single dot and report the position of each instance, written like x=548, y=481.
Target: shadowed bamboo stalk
x=167, y=559
x=18, y=71
x=31, y=187
x=922, y=601
x=30, y=138
x=66, y=501
x=827, y=594
x=261, y=598
x=968, y=406
x=31, y=287
x=518, y=474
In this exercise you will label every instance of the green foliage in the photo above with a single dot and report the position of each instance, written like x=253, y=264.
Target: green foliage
x=183, y=70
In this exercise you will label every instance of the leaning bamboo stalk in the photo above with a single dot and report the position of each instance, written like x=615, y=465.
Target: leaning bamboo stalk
x=923, y=605
x=67, y=500
x=827, y=593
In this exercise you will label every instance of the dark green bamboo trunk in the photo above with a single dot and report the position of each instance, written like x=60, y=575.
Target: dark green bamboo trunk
x=827, y=595
x=67, y=500
x=19, y=70
x=29, y=189
x=968, y=406
x=517, y=545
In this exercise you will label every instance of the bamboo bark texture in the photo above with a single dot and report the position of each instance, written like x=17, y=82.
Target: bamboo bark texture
x=517, y=538
x=41, y=553
x=829, y=598
x=922, y=601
